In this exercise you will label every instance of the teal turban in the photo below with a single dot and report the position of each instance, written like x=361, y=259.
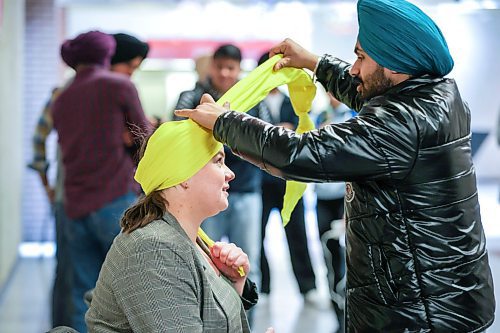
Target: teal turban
x=400, y=37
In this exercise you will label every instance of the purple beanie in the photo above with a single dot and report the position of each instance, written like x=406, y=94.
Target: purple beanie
x=93, y=47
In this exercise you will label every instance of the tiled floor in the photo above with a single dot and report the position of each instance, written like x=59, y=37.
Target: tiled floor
x=24, y=303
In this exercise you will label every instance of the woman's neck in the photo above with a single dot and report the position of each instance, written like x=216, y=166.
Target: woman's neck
x=188, y=214
x=188, y=222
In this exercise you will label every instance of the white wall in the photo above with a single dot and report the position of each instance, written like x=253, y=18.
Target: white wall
x=11, y=111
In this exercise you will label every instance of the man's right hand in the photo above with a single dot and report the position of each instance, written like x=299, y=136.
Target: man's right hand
x=51, y=193
x=294, y=55
x=206, y=113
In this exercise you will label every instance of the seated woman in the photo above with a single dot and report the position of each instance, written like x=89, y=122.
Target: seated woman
x=159, y=276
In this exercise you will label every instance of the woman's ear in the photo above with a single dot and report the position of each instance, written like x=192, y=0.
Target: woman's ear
x=184, y=185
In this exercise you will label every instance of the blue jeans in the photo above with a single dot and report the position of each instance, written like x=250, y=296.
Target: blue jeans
x=61, y=292
x=240, y=223
x=90, y=238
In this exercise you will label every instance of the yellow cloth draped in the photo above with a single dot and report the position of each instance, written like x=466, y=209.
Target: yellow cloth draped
x=175, y=152
x=255, y=87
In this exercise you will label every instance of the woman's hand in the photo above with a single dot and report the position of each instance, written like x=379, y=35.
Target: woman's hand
x=228, y=258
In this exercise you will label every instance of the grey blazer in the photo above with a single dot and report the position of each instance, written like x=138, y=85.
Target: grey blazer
x=155, y=280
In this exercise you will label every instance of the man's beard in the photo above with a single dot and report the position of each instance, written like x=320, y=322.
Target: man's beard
x=375, y=84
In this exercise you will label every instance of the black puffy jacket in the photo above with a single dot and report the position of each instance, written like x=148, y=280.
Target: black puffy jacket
x=416, y=256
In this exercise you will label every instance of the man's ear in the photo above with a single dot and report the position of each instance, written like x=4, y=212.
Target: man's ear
x=390, y=72
x=184, y=185
x=396, y=77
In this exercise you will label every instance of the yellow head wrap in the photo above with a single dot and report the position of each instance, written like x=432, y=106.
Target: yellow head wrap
x=177, y=150
x=255, y=87
x=174, y=153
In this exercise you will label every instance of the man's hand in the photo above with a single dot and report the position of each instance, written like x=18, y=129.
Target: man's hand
x=206, y=113
x=128, y=138
x=49, y=190
x=51, y=193
x=294, y=55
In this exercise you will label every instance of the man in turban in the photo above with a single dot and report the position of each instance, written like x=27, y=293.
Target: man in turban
x=128, y=55
x=415, y=246
x=91, y=115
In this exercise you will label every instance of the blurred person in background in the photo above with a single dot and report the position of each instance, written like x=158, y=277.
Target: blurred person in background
x=202, y=67
x=61, y=304
x=330, y=216
x=128, y=56
x=498, y=141
x=273, y=191
x=240, y=223
x=91, y=115
x=415, y=246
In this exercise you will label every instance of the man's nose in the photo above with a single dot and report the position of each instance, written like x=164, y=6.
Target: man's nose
x=354, y=71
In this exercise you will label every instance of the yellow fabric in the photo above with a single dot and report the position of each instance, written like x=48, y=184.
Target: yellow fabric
x=255, y=87
x=179, y=149
x=175, y=152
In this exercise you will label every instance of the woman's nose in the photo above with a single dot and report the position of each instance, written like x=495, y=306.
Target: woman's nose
x=229, y=174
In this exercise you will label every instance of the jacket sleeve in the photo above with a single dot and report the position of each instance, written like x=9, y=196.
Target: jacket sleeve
x=43, y=128
x=334, y=75
x=250, y=295
x=366, y=147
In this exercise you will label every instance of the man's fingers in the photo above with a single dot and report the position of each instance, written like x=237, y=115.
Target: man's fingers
x=183, y=113
x=281, y=63
x=275, y=51
x=280, y=48
x=226, y=105
x=206, y=98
